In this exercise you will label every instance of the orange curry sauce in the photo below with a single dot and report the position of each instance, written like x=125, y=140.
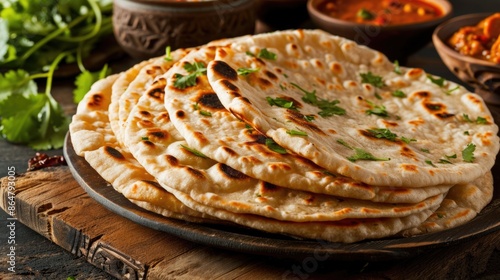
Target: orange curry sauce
x=384, y=12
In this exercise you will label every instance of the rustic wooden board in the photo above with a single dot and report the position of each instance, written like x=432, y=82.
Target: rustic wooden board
x=53, y=204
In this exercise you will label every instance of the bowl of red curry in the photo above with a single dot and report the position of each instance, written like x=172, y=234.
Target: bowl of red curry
x=469, y=45
x=397, y=28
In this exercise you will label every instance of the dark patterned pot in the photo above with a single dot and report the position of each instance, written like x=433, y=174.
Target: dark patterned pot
x=145, y=28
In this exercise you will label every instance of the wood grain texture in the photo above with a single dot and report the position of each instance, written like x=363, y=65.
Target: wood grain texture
x=53, y=204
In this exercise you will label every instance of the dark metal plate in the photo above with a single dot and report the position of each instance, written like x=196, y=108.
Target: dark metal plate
x=256, y=242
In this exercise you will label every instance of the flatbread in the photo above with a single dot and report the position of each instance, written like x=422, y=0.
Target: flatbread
x=93, y=139
x=462, y=203
x=437, y=121
x=155, y=143
x=209, y=128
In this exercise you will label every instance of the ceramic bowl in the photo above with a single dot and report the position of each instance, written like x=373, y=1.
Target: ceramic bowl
x=144, y=28
x=282, y=14
x=482, y=75
x=395, y=41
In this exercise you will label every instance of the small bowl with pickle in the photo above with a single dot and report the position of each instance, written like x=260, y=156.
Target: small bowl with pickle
x=469, y=46
x=397, y=28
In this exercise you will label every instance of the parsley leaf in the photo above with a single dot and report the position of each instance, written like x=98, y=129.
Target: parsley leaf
x=468, y=153
x=370, y=78
x=195, y=70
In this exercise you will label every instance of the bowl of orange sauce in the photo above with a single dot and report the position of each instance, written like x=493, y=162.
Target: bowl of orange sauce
x=469, y=46
x=397, y=28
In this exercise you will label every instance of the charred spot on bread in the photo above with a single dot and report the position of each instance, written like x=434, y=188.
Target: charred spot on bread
x=231, y=172
x=210, y=100
x=113, y=152
x=223, y=69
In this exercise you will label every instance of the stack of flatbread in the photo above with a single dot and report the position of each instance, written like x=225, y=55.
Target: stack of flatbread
x=296, y=132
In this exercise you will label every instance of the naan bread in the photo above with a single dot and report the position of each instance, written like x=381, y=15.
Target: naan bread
x=93, y=139
x=208, y=127
x=437, y=122
x=462, y=203
x=346, y=231
x=155, y=143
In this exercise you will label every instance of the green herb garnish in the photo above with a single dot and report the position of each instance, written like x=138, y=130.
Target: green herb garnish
x=370, y=78
x=328, y=108
x=168, y=54
x=365, y=14
x=194, y=151
x=296, y=132
x=397, y=68
x=383, y=133
x=273, y=146
x=246, y=71
x=196, y=107
x=281, y=102
x=360, y=154
x=264, y=53
x=468, y=153
x=430, y=163
x=398, y=93
x=195, y=70
x=378, y=110
x=408, y=140
x=145, y=138
x=437, y=81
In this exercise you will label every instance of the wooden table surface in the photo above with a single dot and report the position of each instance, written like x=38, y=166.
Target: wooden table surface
x=37, y=257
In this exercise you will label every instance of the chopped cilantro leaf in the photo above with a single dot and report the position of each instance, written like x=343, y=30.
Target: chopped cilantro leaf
x=370, y=78
x=425, y=150
x=437, y=81
x=378, y=110
x=445, y=161
x=430, y=163
x=408, y=140
x=383, y=133
x=360, y=154
x=273, y=146
x=398, y=93
x=264, y=53
x=365, y=14
x=296, y=132
x=281, y=102
x=246, y=71
x=328, y=108
x=168, y=55
x=195, y=70
x=194, y=151
x=397, y=68
x=468, y=153
x=309, y=118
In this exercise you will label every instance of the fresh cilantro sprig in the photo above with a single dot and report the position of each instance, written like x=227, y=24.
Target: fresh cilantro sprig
x=360, y=154
x=328, y=107
x=296, y=132
x=35, y=38
x=246, y=71
x=195, y=70
x=264, y=53
x=389, y=135
x=29, y=117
